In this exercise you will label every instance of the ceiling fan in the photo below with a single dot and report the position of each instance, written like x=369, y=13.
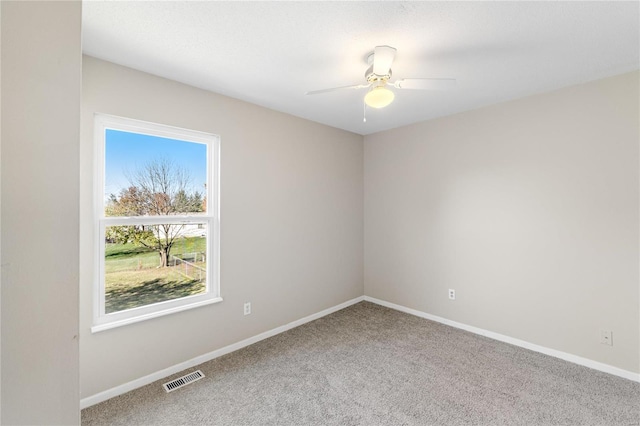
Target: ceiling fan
x=378, y=75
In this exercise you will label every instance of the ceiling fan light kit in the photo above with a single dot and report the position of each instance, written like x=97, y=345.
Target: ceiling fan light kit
x=378, y=75
x=379, y=97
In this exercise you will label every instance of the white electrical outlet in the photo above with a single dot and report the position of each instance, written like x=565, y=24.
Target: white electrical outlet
x=606, y=337
x=452, y=294
x=247, y=308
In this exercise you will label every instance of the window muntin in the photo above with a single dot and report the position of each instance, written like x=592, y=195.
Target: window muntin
x=148, y=206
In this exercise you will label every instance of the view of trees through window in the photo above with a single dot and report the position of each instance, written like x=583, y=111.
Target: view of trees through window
x=158, y=252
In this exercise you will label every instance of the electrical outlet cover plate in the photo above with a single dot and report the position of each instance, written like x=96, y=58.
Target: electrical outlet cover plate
x=606, y=337
x=452, y=294
x=247, y=308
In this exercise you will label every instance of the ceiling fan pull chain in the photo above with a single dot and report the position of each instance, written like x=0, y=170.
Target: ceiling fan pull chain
x=364, y=112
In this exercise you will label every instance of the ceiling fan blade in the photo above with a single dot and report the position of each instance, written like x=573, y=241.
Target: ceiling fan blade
x=382, y=59
x=426, y=83
x=333, y=89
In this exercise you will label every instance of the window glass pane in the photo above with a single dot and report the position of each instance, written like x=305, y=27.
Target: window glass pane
x=147, y=264
x=150, y=176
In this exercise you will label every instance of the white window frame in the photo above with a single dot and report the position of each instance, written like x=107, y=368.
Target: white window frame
x=103, y=321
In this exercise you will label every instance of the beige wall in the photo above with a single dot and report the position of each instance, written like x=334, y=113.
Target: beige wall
x=41, y=77
x=1, y=268
x=291, y=219
x=528, y=209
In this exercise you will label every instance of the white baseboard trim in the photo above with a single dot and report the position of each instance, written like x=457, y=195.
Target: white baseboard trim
x=516, y=342
x=142, y=381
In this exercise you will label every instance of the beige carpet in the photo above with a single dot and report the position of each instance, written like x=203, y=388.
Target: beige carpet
x=369, y=365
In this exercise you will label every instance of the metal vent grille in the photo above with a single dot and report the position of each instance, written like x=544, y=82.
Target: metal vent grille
x=183, y=381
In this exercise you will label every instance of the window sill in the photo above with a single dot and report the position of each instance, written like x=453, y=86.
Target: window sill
x=123, y=322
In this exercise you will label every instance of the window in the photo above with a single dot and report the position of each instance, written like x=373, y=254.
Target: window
x=156, y=219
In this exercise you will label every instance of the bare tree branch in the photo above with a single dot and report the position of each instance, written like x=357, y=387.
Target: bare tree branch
x=158, y=188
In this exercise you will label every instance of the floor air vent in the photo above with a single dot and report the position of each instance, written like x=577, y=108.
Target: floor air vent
x=183, y=381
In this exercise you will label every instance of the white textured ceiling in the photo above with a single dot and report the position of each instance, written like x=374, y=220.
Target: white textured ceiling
x=271, y=53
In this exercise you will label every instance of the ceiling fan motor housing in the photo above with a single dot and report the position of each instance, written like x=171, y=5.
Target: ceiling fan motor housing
x=374, y=78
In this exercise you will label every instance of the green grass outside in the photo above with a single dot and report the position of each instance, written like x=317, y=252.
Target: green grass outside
x=133, y=278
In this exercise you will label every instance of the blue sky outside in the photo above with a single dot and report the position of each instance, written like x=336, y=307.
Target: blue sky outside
x=126, y=152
